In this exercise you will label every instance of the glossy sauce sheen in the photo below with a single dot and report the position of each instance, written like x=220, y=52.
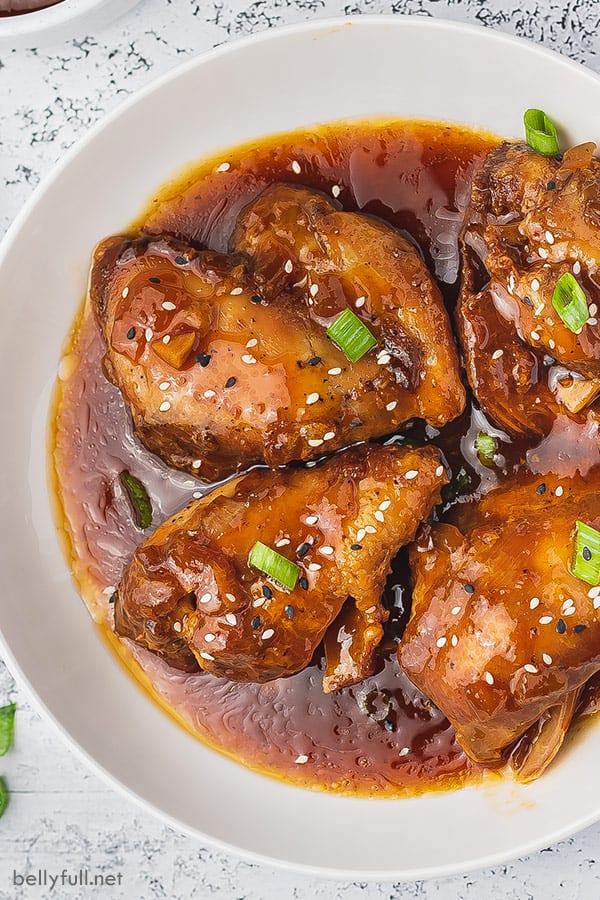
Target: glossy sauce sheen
x=415, y=176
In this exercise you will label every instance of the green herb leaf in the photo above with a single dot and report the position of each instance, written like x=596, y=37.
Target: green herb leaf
x=485, y=445
x=457, y=486
x=7, y=727
x=570, y=302
x=540, y=132
x=3, y=796
x=586, y=554
x=273, y=564
x=351, y=335
x=138, y=498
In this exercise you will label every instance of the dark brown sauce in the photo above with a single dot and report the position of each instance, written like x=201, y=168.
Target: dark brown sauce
x=22, y=7
x=415, y=176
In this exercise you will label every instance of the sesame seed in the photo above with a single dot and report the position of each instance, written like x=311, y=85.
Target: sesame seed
x=312, y=520
x=303, y=582
x=203, y=359
x=303, y=758
x=547, y=659
x=456, y=610
x=383, y=359
x=224, y=167
x=177, y=626
x=260, y=601
x=594, y=592
x=166, y=339
x=543, y=253
x=391, y=405
x=256, y=622
x=267, y=592
x=549, y=237
x=289, y=267
x=206, y=655
x=209, y=638
x=529, y=668
x=579, y=628
x=267, y=634
x=206, y=598
x=196, y=495
x=164, y=406
x=552, y=344
x=209, y=394
x=124, y=293
x=569, y=612
x=488, y=677
x=148, y=334
x=314, y=290
x=252, y=343
x=196, y=464
x=454, y=640
x=593, y=309
x=131, y=334
x=559, y=491
x=231, y=619
x=441, y=642
x=164, y=385
x=168, y=305
x=312, y=398
x=248, y=359
x=412, y=473
x=315, y=442
x=379, y=516
x=236, y=292
x=576, y=267
x=534, y=602
x=314, y=567
x=329, y=435
x=497, y=354
x=469, y=589
x=336, y=190
x=439, y=471
x=296, y=167
x=569, y=602
x=356, y=546
x=385, y=504
x=282, y=542
x=230, y=597
x=360, y=534
x=303, y=549
x=561, y=626
x=404, y=752
x=230, y=382
x=535, y=285
x=541, y=488
x=326, y=550
x=535, y=336
x=370, y=529
x=360, y=302
x=596, y=602
x=545, y=620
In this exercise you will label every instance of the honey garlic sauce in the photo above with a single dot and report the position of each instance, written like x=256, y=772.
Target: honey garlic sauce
x=382, y=736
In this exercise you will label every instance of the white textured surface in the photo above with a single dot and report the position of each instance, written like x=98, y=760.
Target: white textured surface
x=61, y=815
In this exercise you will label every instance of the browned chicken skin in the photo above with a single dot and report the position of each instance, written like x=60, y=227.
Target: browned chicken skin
x=223, y=368
x=502, y=636
x=531, y=219
x=191, y=596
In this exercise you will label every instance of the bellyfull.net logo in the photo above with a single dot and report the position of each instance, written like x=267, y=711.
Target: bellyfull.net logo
x=66, y=878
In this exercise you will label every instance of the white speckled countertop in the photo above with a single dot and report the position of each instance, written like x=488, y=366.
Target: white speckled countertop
x=61, y=816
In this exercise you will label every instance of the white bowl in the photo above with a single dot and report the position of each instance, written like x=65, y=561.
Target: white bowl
x=65, y=20
x=279, y=80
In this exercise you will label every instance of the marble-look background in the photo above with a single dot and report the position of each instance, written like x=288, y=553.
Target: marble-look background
x=61, y=815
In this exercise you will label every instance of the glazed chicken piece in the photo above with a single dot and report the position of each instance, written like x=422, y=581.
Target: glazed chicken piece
x=502, y=636
x=221, y=372
x=531, y=219
x=191, y=596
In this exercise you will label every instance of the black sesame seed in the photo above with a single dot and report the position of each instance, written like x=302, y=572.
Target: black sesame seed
x=356, y=546
x=579, y=628
x=303, y=582
x=131, y=334
x=289, y=611
x=548, y=360
x=561, y=626
x=113, y=598
x=303, y=550
x=203, y=359
x=256, y=622
x=559, y=157
x=527, y=301
x=267, y=592
x=180, y=260
x=154, y=280
x=469, y=589
x=314, y=361
x=230, y=382
x=586, y=553
x=551, y=185
x=389, y=725
x=256, y=299
x=541, y=488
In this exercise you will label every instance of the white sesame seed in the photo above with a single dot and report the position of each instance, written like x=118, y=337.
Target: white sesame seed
x=168, y=305
x=311, y=520
x=549, y=237
x=196, y=464
x=370, y=529
x=224, y=167
x=535, y=285
x=385, y=504
x=454, y=640
x=314, y=290
x=329, y=435
x=547, y=659
x=310, y=465
x=282, y=542
x=289, y=267
x=335, y=371
x=456, y=610
x=315, y=442
x=535, y=601
x=439, y=471
x=109, y=591
x=592, y=321
x=497, y=354
x=209, y=394
x=404, y=752
x=379, y=516
x=412, y=473
x=312, y=398
x=594, y=592
x=248, y=359
x=196, y=495
x=268, y=634
x=207, y=656
x=543, y=252
x=596, y=602
x=529, y=668
x=576, y=267
x=165, y=385
x=177, y=626
x=545, y=620
x=441, y=642
x=336, y=190
x=314, y=567
x=296, y=167
x=230, y=597
x=535, y=336
x=231, y=618
x=303, y=758
x=148, y=334
x=164, y=406
x=258, y=602
x=166, y=339
x=252, y=343
x=383, y=359
x=593, y=309
x=360, y=302
x=488, y=677
x=559, y=491
x=391, y=405
x=360, y=534
x=236, y=292
x=124, y=293
x=326, y=550
x=209, y=638
x=551, y=344
x=206, y=598
x=569, y=612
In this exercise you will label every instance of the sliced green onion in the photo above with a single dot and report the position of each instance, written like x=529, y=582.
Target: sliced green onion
x=570, y=302
x=485, y=445
x=7, y=727
x=273, y=564
x=3, y=796
x=586, y=554
x=540, y=132
x=453, y=490
x=351, y=335
x=138, y=498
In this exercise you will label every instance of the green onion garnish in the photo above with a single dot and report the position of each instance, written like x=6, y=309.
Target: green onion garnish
x=540, y=132
x=485, y=445
x=7, y=727
x=138, y=498
x=351, y=335
x=570, y=302
x=586, y=554
x=273, y=564
x=3, y=796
